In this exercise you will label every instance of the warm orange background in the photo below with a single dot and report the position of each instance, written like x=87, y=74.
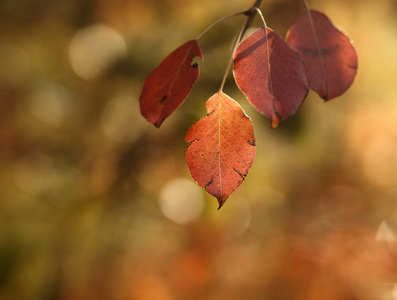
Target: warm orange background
x=95, y=203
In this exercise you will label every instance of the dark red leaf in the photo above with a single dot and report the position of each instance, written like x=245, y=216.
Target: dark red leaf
x=329, y=56
x=167, y=87
x=270, y=74
x=221, y=147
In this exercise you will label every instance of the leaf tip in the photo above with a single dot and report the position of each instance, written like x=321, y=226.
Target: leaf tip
x=221, y=201
x=275, y=121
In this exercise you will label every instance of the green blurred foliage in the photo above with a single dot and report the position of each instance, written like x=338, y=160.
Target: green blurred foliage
x=86, y=184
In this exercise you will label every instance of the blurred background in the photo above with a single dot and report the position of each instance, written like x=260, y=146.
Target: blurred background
x=95, y=203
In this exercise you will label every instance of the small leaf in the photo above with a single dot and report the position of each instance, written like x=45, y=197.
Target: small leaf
x=221, y=147
x=329, y=56
x=270, y=74
x=167, y=87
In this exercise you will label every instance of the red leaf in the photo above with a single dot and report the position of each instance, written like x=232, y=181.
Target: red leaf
x=270, y=74
x=330, y=58
x=167, y=87
x=221, y=147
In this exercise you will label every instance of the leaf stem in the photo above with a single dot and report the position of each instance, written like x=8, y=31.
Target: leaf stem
x=250, y=17
x=235, y=44
x=305, y=4
x=261, y=15
x=219, y=21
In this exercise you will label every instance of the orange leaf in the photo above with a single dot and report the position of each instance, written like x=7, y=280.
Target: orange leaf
x=221, y=147
x=270, y=74
x=167, y=87
x=330, y=58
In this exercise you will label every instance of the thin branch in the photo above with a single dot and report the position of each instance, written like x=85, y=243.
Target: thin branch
x=250, y=17
x=236, y=42
x=219, y=21
x=257, y=4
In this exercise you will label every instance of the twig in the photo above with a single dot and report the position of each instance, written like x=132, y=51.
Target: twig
x=219, y=21
x=250, y=17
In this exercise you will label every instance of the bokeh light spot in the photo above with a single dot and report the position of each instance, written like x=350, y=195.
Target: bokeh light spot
x=122, y=121
x=48, y=104
x=181, y=201
x=93, y=49
x=380, y=159
x=384, y=233
x=394, y=292
x=372, y=138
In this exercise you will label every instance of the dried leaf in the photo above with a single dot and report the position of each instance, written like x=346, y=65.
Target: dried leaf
x=270, y=74
x=329, y=56
x=167, y=87
x=221, y=147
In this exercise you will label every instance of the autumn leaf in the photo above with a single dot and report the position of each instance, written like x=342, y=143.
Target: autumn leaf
x=329, y=56
x=167, y=87
x=221, y=147
x=270, y=74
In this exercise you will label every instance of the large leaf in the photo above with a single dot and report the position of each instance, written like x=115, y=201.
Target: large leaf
x=221, y=147
x=167, y=87
x=330, y=58
x=270, y=74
